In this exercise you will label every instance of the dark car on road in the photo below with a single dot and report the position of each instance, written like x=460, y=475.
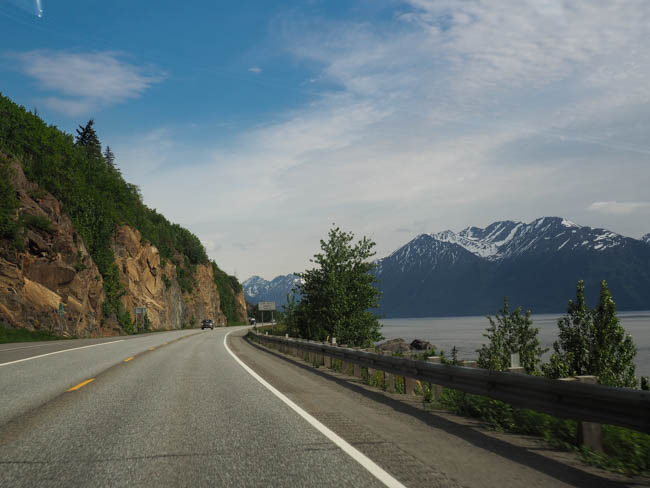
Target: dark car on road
x=207, y=324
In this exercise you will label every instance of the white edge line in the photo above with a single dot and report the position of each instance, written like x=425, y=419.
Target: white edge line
x=351, y=451
x=58, y=352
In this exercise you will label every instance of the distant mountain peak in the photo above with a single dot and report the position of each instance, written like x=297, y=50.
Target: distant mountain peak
x=646, y=238
x=257, y=289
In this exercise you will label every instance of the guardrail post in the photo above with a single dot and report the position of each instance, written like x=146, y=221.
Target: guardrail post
x=327, y=360
x=371, y=371
x=436, y=389
x=389, y=378
x=344, y=364
x=589, y=433
x=409, y=385
x=357, y=368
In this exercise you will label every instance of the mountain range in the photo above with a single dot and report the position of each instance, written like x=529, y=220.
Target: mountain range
x=536, y=265
x=257, y=289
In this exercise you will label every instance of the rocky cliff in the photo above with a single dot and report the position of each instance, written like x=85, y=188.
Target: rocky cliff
x=155, y=286
x=49, y=269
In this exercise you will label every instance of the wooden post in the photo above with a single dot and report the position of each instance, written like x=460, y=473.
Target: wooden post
x=344, y=364
x=436, y=389
x=409, y=385
x=589, y=433
x=357, y=373
x=389, y=378
x=327, y=360
x=371, y=371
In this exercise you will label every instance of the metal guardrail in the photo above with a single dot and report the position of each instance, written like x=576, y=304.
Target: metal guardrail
x=580, y=401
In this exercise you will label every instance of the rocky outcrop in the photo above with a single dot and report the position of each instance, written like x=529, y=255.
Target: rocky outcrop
x=154, y=286
x=240, y=303
x=54, y=271
x=51, y=270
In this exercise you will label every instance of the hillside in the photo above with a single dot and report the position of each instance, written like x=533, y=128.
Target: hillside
x=535, y=264
x=74, y=234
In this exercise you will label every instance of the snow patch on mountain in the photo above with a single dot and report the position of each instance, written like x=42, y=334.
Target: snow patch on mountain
x=507, y=239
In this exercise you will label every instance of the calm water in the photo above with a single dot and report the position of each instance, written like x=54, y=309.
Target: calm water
x=466, y=333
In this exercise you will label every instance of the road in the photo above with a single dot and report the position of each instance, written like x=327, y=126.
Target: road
x=182, y=414
x=187, y=408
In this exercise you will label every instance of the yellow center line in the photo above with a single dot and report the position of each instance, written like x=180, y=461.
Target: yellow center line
x=152, y=348
x=83, y=383
x=128, y=359
x=165, y=343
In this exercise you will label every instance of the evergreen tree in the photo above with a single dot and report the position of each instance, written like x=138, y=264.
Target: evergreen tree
x=337, y=295
x=87, y=138
x=109, y=157
x=511, y=332
x=593, y=342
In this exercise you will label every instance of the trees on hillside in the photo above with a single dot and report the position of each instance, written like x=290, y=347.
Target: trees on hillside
x=593, y=342
x=511, y=332
x=87, y=138
x=109, y=157
x=338, y=293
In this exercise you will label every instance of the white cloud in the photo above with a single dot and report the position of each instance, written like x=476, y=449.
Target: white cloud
x=453, y=114
x=620, y=208
x=84, y=81
x=255, y=69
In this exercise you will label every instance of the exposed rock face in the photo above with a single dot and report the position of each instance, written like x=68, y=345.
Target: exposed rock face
x=54, y=268
x=240, y=301
x=142, y=274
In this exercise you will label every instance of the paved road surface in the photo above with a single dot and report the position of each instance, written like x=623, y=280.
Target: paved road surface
x=183, y=414
x=177, y=409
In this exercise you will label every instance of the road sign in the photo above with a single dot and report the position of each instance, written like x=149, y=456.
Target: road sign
x=266, y=306
x=139, y=310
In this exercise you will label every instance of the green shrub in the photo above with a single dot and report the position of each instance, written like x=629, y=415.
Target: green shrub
x=36, y=222
x=167, y=282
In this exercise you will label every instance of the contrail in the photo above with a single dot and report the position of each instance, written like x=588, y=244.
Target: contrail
x=39, y=9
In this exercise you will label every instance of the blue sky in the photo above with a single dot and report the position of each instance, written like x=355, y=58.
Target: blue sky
x=258, y=124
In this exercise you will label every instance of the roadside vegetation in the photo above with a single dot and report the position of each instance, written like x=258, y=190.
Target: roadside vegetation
x=228, y=286
x=338, y=294
x=89, y=184
x=9, y=334
x=590, y=342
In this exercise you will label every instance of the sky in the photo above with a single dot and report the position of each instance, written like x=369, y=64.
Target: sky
x=258, y=125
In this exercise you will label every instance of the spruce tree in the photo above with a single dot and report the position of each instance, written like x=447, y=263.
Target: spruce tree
x=593, y=342
x=613, y=350
x=87, y=138
x=109, y=157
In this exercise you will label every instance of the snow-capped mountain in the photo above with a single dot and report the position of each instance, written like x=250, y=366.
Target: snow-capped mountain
x=646, y=238
x=507, y=239
x=536, y=264
x=257, y=289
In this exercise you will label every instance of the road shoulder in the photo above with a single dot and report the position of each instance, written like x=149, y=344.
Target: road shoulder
x=418, y=446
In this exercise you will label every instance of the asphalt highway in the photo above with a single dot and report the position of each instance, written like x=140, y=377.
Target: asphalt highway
x=207, y=408
x=165, y=409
